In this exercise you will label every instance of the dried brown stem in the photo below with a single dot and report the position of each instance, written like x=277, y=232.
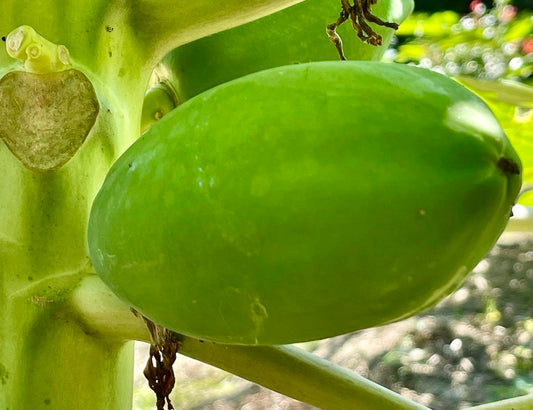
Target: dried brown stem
x=164, y=347
x=358, y=14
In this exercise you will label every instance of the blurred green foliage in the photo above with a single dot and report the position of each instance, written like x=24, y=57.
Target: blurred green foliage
x=487, y=43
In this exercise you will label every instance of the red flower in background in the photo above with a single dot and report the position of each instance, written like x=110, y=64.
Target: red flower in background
x=477, y=6
x=527, y=45
x=508, y=13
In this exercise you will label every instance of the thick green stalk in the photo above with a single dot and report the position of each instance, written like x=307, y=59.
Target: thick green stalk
x=46, y=358
x=182, y=21
x=299, y=374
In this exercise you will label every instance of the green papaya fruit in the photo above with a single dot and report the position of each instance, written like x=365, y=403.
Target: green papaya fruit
x=293, y=35
x=304, y=202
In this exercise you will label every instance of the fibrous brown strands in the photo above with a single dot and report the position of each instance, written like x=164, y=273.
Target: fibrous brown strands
x=158, y=371
x=359, y=14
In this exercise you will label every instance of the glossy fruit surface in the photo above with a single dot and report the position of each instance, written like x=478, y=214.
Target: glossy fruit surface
x=304, y=202
x=294, y=35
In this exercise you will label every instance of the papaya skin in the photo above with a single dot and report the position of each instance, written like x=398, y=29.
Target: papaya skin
x=304, y=202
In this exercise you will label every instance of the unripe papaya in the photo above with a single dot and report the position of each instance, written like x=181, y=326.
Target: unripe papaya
x=293, y=35
x=304, y=202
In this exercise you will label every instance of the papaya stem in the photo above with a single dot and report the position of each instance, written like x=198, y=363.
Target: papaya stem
x=358, y=14
x=507, y=166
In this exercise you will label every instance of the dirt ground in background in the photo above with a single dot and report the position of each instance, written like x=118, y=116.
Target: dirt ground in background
x=476, y=346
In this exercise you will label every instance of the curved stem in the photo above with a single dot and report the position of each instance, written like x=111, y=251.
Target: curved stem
x=178, y=23
x=285, y=369
x=517, y=403
x=298, y=374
